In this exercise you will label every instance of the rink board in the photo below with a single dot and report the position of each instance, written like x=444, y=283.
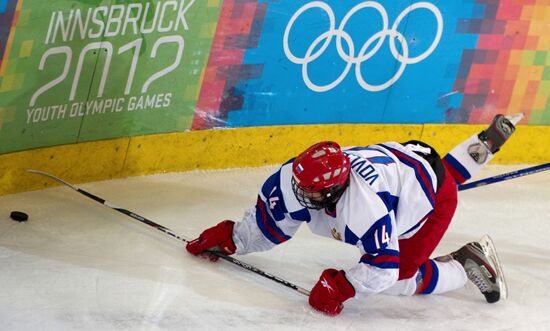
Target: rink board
x=234, y=148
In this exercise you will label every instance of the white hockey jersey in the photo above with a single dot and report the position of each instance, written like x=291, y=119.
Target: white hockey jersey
x=391, y=191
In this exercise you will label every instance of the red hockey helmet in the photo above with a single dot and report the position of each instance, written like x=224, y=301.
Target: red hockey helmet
x=320, y=175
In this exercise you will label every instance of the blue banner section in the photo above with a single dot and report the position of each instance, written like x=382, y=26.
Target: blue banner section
x=3, y=4
x=354, y=62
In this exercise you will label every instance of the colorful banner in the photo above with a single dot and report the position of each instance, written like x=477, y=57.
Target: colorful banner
x=81, y=70
x=75, y=71
x=294, y=62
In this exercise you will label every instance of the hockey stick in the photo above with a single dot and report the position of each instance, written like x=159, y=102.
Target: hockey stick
x=506, y=176
x=171, y=233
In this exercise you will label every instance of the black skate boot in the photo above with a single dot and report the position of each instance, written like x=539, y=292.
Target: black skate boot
x=482, y=267
x=492, y=138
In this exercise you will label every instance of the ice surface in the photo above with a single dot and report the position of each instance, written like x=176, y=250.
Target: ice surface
x=78, y=265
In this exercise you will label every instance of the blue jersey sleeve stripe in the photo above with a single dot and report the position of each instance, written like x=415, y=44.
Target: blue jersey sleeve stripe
x=421, y=173
x=357, y=148
x=381, y=160
x=383, y=265
x=268, y=225
x=389, y=252
x=387, y=259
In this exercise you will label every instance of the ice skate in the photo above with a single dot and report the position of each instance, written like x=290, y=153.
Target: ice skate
x=482, y=267
x=492, y=138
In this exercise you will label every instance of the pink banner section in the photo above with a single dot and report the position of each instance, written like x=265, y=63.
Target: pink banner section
x=239, y=28
x=9, y=13
x=509, y=70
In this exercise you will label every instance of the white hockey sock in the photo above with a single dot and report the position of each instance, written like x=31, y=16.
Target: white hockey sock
x=459, y=162
x=432, y=278
x=452, y=276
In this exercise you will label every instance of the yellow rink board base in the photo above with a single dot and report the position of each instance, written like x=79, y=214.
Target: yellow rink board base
x=234, y=148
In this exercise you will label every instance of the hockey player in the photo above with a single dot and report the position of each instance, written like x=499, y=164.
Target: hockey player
x=393, y=201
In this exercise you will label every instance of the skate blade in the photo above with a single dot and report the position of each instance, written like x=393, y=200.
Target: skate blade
x=489, y=249
x=515, y=118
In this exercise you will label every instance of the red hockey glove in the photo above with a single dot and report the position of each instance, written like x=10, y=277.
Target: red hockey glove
x=218, y=237
x=332, y=289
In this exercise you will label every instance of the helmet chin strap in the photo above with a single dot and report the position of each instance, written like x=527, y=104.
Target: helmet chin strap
x=337, y=194
x=330, y=199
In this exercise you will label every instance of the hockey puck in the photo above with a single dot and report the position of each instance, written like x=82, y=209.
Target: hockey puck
x=19, y=216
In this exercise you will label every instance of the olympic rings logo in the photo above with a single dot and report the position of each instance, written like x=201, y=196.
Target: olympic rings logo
x=350, y=58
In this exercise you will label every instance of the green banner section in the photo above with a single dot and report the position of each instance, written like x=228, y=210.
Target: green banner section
x=85, y=70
